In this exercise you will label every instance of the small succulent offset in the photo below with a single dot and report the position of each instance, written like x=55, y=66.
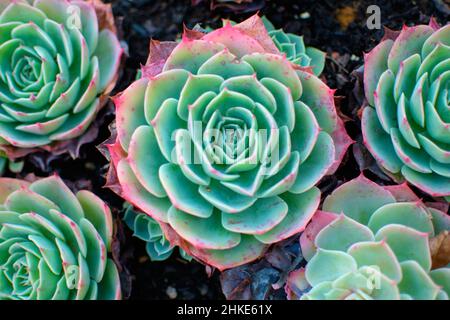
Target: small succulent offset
x=11, y=165
x=223, y=140
x=407, y=125
x=293, y=46
x=58, y=61
x=148, y=229
x=54, y=244
x=372, y=242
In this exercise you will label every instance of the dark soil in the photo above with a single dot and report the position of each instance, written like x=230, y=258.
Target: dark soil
x=163, y=20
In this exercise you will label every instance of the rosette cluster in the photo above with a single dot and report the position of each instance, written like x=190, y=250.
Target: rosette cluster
x=223, y=141
x=294, y=48
x=148, y=229
x=407, y=125
x=372, y=243
x=54, y=244
x=58, y=60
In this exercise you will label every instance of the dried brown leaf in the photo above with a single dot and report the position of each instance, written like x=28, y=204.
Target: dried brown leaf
x=440, y=250
x=159, y=52
x=105, y=15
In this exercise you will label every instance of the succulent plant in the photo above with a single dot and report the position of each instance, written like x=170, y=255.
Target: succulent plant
x=54, y=244
x=223, y=140
x=293, y=46
x=148, y=229
x=13, y=166
x=406, y=126
x=372, y=242
x=58, y=61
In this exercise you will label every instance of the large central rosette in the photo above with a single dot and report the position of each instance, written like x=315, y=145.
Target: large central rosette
x=223, y=141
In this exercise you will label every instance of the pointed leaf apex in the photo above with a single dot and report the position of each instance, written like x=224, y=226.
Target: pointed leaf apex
x=434, y=24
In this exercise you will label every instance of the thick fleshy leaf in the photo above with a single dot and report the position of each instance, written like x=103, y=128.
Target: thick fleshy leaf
x=165, y=125
x=263, y=216
x=316, y=165
x=98, y=213
x=108, y=52
x=187, y=159
x=301, y=208
x=366, y=197
x=416, y=282
x=236, y=41
x=246, y=251
x=442, y=278
x=414, y=160
x=145, y=159
x=319, y=221
x=431, y=183
x=225, y=199
x=374, y=65
x=342, y=233
x=378, y=254
x=408, y=43
x=278, y=68
x=328, y=265
x=22, y=12
x=383, y=288
x=205, y=233
x=130, y=114
x=96, y=254
x=379, y=142
x=285, y=105
x=54, y=189
x=226, y=65
x=191, y=54
x=109, y=288
x=182, y=193
x=196, y=86
x=412, y=215
x=317, y=59
x=306, y=130
x=407, y=244
x=162, y=87
x=136, y=194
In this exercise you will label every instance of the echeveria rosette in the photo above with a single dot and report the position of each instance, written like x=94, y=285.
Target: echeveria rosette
x=407, y=125
x=372, y=242
x=59, y=59
x=148, y=229
x=225, y=214
x=295, y=50
x=54, y=244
